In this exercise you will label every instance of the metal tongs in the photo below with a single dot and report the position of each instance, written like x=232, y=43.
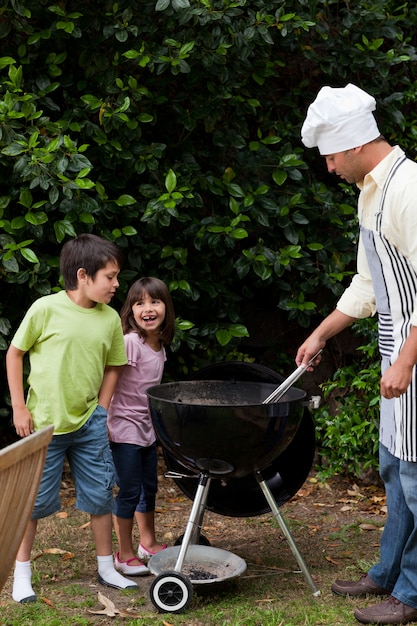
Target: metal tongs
x=288, y=382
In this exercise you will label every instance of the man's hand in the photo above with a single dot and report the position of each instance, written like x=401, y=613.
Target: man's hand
x=395, y=381
x=330, y=326
x=307, y=351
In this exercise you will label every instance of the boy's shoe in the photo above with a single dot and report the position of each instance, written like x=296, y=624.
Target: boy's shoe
x=29, y=599
x=107, y=583
x=145, y=554
x=127, y=567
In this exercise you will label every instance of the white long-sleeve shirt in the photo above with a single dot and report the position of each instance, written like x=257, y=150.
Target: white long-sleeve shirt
x=399, y=225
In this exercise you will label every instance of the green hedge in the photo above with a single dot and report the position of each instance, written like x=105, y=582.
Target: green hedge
x=173, y=128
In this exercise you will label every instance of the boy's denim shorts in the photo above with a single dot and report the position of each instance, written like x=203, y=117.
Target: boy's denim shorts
x=90, y=459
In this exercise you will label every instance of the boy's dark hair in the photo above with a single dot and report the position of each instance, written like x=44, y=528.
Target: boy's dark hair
x=89, y=252
x=158, y=290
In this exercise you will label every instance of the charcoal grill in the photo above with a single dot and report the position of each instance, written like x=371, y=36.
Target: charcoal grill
x=222, y=432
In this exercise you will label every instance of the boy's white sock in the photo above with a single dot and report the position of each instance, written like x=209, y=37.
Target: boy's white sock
x=107, y=574
x=22, y=583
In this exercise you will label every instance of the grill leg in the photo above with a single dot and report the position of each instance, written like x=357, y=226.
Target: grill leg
x=284, y=528
x=194, y=519
x=199, y=516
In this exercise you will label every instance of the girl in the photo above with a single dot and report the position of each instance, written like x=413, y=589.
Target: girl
x=148, y=322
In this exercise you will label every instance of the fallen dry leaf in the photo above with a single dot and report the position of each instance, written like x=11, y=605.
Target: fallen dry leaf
x=378, y=498
x=61, y=515
x=109, y=607
x=369, y=527
x=46, y=601
x=328, y=558
x=131, y=613
x=65, y=553
x=323, y=504
x=86, y=525
x=346, y=553
x=345, y=508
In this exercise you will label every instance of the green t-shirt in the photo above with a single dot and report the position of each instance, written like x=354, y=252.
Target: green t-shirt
x=69, y=347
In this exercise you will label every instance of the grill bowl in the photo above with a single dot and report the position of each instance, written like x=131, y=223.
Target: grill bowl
x=222, y=427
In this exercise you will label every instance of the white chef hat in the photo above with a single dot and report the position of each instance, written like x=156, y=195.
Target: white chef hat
x=340, y=119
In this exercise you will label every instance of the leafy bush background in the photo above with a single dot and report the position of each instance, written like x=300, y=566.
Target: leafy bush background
x=347, y=424
x=173, y=128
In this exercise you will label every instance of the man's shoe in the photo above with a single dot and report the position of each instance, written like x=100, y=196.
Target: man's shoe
x=360, y=587
x=391, y=611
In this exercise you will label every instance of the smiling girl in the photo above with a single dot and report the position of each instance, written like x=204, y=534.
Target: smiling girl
x=148, y=322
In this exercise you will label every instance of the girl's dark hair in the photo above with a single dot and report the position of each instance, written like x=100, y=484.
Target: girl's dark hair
x=89, y=252
x=158, y=290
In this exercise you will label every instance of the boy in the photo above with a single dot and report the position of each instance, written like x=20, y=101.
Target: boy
x=75, y=345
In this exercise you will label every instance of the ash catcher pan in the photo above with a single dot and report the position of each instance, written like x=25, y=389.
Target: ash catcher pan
x=202, y=565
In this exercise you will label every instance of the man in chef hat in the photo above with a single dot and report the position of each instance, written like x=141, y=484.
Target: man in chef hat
x=341, y=124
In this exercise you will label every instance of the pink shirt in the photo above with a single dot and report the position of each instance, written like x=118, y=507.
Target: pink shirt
x=129, y=420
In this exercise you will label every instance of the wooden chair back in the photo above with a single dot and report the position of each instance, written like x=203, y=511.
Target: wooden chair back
x=21, y=466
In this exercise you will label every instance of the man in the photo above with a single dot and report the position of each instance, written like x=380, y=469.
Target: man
x=341, y=124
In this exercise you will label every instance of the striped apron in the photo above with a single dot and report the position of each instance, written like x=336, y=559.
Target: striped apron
x=395, y=285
